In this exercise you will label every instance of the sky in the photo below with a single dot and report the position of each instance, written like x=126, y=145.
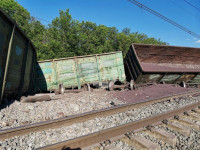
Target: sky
x=122, y=14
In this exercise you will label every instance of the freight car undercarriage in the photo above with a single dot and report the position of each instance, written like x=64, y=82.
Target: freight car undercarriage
x=116, y=85
x=110, y=86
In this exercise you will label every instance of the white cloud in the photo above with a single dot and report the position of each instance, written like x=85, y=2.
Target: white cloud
x=197, y=41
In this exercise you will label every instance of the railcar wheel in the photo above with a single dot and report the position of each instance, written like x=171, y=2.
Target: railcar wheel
x=61, y=89
x=132, y=85
x=162, y=82
x=182, y=84
x=111, y=86
x=87, y=87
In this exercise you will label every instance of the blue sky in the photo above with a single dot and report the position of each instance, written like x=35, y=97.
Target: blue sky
x=122, y=13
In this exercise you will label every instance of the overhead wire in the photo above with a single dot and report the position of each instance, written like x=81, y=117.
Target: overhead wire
x=31, y=16
x=185, y=10
x=192, y=5
x=42, y=19
x=140, y=5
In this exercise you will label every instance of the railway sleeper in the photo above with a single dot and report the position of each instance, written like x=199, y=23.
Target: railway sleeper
x=186, y=123
x=179, y=128
x=92, y=147
x=112, y=147
x=139, y=142
x=193, y=116
x=190, y=117
x=105, y=145
x=163, y=135
x=197, y=111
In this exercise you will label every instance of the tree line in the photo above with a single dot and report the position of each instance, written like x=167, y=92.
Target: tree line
x=66, y=37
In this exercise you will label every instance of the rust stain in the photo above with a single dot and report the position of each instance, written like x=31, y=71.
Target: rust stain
x=187, y=76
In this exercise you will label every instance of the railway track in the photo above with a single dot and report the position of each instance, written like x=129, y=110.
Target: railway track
x=124, y=113
x=131, y=133
x=67, y=121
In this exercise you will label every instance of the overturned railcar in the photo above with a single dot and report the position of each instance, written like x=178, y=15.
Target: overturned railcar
x=74, y=72
x=160, y=63
x=17, y=58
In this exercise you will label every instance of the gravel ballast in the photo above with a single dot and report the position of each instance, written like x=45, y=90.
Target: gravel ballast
x=15, y=113
x=38, y=139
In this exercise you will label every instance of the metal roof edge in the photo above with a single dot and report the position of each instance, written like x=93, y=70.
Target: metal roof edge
x=164, y=45
x=65, y=58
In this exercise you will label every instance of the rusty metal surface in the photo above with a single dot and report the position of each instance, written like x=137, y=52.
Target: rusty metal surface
x=156, y=58
x=66, y=121
x=156, y=63
x=100, y=136
x=16, y=67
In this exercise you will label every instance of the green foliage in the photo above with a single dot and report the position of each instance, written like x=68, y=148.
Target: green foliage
x=33, y=28
x=62, y=36
x=17, y=12
x=66, y=37
x=126, y=31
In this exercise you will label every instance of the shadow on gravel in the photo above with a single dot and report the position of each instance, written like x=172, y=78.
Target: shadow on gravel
x=6, y=103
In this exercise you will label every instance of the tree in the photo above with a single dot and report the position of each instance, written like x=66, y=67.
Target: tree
x=66, y=37
x=62, y=35
x=126, y=31
x=32, y=27
x=17, y=12
x=38, y=36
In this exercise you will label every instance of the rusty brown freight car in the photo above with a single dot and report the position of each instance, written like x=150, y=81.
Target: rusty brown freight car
x=161, y=63
x=17, y=58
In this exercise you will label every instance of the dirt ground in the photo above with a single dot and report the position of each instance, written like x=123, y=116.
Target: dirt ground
x=149, y=92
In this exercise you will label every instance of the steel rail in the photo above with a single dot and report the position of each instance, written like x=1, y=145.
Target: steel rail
x=100, y=136
x=66, y=121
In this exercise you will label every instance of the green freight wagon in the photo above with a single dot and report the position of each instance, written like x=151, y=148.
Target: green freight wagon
x=17, y=58
x=74, y=72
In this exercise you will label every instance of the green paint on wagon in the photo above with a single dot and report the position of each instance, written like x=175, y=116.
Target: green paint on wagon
x=77, y=71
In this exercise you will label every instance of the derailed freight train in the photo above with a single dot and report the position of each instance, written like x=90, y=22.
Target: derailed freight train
x=20, y=74
x=163, y=64
x=144, y=64
x=17, y=60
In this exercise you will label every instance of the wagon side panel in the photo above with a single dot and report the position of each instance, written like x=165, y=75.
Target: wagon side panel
x=45, y=79
x=5, y=35
x=66, y=72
